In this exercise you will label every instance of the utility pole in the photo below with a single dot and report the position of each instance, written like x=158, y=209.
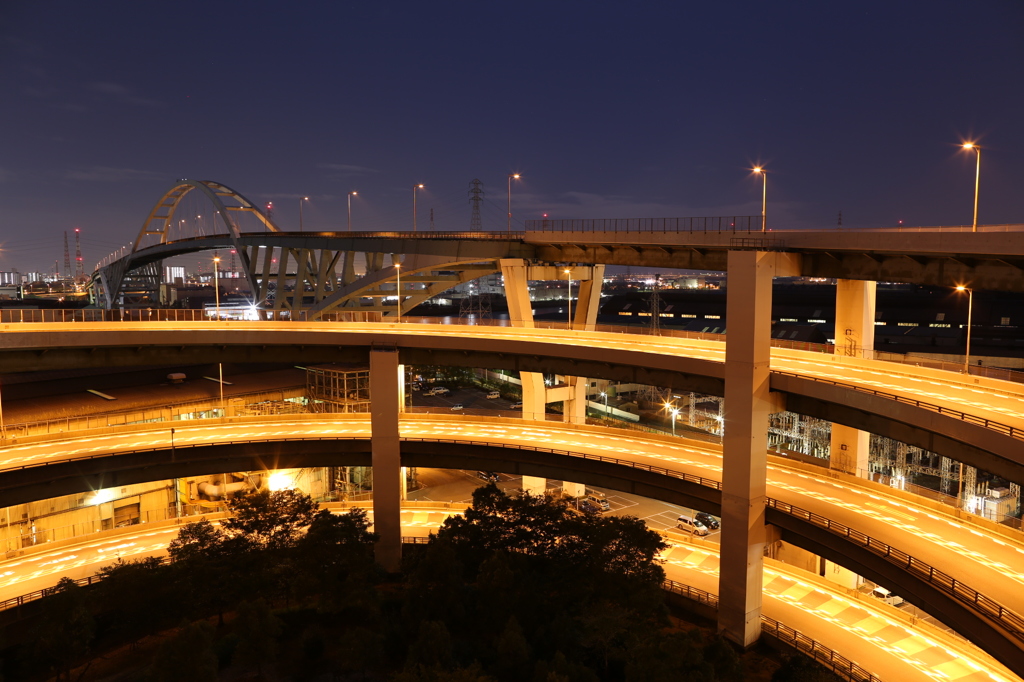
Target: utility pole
x=476, y=197
x=67, y=256
x=79, y=265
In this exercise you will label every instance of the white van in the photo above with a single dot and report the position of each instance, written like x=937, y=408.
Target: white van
x=691, y=525
x=493, y=394
x=886, y=596
x=599, y=499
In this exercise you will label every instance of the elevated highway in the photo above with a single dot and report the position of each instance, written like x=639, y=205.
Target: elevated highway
x=862, y=630
x=977, y=555
x=975, y=420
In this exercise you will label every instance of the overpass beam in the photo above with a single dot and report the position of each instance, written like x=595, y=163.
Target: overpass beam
x=385, y=404
x=854, y=337
x=745, y=442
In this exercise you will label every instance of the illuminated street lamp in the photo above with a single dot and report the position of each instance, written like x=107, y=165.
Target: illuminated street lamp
x=216, y=293
x=350, y=195
x=604, y=394
x=568, y=305
x=764, y=196
x=675, y=413
x=977, y=179
x=398, y=289
x=300, y=211
x=414, y=188
x=511, y=177
x=970, y=305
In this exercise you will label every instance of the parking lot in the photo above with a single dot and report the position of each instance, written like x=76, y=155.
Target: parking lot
x=473, y=401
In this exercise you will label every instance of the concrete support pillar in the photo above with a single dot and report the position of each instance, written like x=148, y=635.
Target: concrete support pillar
x=385, y=402
x=574, y=489
x=854, y=337
x=588, y=300
x=517, y=294
x=745, y=441
x=534, y=485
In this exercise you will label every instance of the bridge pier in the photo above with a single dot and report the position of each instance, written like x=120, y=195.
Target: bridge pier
x=385, y=406
x=516, y=274
x=745, y=441
x=854, y=337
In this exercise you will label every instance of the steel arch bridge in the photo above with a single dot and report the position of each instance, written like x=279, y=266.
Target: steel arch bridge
x=313, y=273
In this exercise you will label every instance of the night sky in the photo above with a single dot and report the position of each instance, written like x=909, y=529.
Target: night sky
x=608, y=109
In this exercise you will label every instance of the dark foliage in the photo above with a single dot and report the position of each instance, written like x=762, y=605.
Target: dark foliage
x=519, y=588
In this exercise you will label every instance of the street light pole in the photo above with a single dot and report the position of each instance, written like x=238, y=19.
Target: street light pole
x=675, y=413
x=511, y=177
x=970, y=307
x=764, y=196
x=977, y=181
x=350, y=195
x=300, y=211
x=568, y=305
x=216, y=285
x=414, y=188
x=398, y=289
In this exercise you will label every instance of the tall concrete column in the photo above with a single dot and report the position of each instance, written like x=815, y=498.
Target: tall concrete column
x=514, y=273
x=745, y=441
x=854, y=337
x=385, y=404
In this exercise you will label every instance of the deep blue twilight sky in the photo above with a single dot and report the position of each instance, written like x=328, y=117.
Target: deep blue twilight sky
x=608, y=109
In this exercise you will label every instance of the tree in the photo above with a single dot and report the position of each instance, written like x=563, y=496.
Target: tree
x=139, y=595
x=257, y=630
x=197, y=541
x=187, y=656
x=270, y=520
x=66, y=629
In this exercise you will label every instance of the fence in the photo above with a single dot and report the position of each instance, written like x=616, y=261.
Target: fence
x=1011, y=621
x=744, y=223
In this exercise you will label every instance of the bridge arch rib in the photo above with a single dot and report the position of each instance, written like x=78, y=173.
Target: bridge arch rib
x=157, y=224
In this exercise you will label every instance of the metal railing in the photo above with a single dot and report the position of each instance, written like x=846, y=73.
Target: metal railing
x=743, y=223
x=838, y=664
x=1011, y=621
x=999, y=427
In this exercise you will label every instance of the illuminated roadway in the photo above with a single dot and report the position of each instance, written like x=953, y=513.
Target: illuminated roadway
x=990, y=562
x=880, y=638
x=680, y=360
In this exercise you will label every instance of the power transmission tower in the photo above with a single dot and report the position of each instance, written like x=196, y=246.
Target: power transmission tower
x=67, y=256
x=79, y=265
x=476, y=197
x=475, y=304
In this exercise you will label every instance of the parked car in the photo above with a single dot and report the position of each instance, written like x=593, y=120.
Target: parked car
x=489, y=476
x=588, y=507
x=516, y=406
x=441, y=390
x=708, y=520
x=493, y=394
x=458, y=407
x=598, y=499
x=691, y=525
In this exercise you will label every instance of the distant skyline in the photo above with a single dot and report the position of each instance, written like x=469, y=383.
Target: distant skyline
x=607, y=110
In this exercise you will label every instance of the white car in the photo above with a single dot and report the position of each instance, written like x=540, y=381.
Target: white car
x=493, y=394
x=458, y=407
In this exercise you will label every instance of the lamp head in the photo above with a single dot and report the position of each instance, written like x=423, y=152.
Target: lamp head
x=216, y=259
x=354, y=193
x=961, y=287
x=969, y=145
x=419, y=187
x=514, y=176
x=758, y=169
